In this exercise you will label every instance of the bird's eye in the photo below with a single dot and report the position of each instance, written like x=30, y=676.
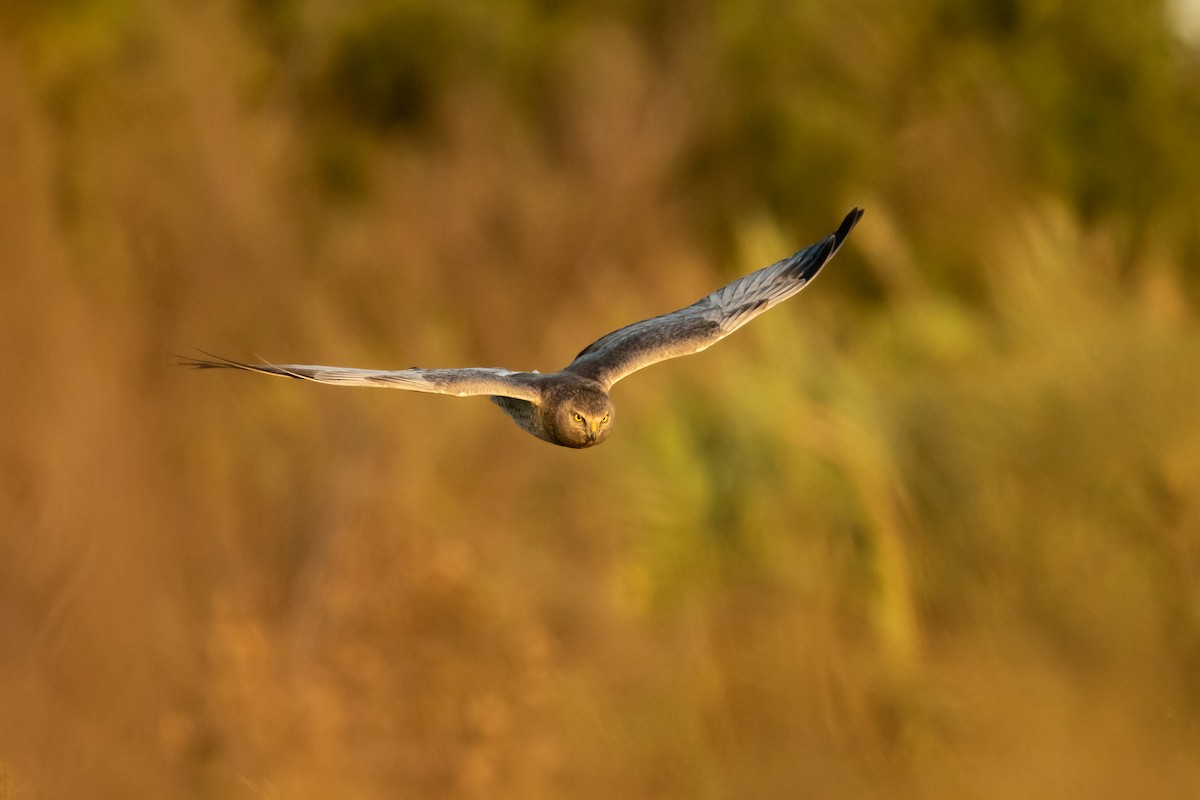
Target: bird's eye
x=578, y=417
x=604, y=419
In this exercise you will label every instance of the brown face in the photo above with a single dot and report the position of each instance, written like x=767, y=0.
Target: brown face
x=585, y=422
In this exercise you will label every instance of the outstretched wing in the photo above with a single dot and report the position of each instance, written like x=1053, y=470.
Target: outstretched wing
x=709, y=319
x=457, y=382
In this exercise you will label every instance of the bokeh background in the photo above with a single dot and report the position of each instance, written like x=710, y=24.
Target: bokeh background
x=931, y=529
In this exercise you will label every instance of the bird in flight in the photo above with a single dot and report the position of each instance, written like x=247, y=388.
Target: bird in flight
x=571, y=407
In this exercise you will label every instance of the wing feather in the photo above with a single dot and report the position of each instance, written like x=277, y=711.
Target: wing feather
x=709, y=319
x=457, y=382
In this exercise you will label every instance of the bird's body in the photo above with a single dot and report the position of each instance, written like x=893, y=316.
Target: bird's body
x=572, y=407
x=574, y=411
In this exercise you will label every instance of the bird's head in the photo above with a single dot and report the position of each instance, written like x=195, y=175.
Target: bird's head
x=585, y=420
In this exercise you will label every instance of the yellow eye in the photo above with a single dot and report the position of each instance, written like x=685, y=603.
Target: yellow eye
x=578, y=417
x=604, y=419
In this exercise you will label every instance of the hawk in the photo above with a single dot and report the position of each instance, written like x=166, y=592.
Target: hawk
x=572, y=407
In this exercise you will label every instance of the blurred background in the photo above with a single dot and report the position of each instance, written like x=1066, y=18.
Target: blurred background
x=931, y=529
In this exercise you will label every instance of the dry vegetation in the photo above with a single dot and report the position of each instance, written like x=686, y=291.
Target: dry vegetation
x=946, y=544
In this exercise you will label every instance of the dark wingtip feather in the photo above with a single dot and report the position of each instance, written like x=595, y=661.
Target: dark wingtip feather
x=813, y=257
x=220, y=362
x=848, y=224
x=212, y=362
x=810, y=260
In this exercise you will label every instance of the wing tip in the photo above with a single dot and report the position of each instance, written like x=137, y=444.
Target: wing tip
x=211, y=361
x=848, y=224
x=811, y=259
x=214, y=361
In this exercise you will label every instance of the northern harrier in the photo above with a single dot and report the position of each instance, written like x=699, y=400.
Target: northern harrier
x=572, y=407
